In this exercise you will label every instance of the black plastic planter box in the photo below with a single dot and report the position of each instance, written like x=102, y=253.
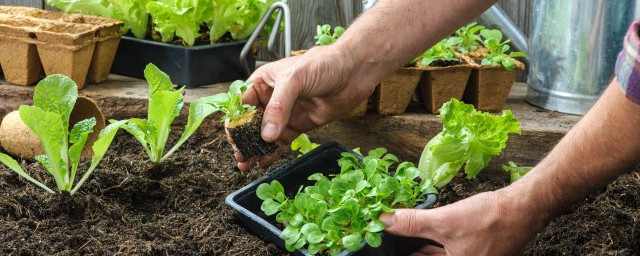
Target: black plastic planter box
x=291, y=176
x=191, y=66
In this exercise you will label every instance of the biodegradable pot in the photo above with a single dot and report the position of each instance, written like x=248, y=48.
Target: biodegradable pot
x=438, y=85
x=488, y=87
x=298, y=52
x=393, y=94
x=108, y=36
x=191, y=66
x=18, y=140
x=245, y=133
x=18, y=54
x=323, y=159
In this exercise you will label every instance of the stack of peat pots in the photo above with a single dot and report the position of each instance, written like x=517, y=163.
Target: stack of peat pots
x=34, y=41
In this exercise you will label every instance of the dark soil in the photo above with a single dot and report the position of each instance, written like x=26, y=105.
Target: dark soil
x=130, y=207
x=248, y=140
x=446, y=63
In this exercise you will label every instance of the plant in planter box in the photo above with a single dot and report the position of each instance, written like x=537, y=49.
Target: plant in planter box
x=469, y=39
x=515, y=172
x=469, y=138
x=340, y=213
x=165, y=104
x=492, y=78
x=54, y=98
x=445, y=73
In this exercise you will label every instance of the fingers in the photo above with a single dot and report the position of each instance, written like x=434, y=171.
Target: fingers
x=410, y=222
x=278, y=110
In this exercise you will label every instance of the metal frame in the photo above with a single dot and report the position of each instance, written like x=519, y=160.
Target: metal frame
x=283, y=10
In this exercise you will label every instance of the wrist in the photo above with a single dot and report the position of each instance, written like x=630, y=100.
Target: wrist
x=523, y=201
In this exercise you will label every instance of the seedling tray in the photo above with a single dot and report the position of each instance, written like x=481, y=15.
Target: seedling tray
x=191, y=66
x=292, y=176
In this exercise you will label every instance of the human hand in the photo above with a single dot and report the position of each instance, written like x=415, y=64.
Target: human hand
x=491, y=223
x=304, y=92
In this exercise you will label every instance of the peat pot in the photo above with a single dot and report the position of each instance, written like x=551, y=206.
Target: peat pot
x=392, y=95
x=294, y=174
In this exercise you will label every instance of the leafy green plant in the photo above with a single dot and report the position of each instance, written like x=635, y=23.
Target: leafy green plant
x=469, y=138
x=443, y=50
x=54, y=98
x=230, y=103
x=165, y=104
x=339, y=213
x=492, y=40
x=183, y=19
x=468, y=37
x=303, y=145
x=516, y=172
x=324, y=35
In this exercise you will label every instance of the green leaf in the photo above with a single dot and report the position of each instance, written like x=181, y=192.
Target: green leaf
x=515, y=171
x=373, y=239
x=352, y=242
x=270, y=207
x=374, y=226
x=48, y=126
x=14, y=166
x=56, y=94
x=309, y=228
x=314, y=248
x=158, y=80
x=78, y=136
x=303, y=145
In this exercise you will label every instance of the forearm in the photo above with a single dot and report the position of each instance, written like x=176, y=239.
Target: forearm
x=603, y=145
x=395, y=31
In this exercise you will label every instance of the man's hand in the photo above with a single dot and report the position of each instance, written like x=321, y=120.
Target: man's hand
x=491, y=223
x=301, y=93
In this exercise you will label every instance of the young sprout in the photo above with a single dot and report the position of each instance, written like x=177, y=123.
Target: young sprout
x=324, y=35
x=492, y=40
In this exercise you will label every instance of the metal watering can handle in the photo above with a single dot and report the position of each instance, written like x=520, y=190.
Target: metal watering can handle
x=283, y=9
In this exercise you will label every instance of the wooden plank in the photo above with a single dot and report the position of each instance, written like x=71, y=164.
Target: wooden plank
x=30, y=3
x=405, y=135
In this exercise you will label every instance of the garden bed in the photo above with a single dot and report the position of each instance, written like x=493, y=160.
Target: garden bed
x=177, y=208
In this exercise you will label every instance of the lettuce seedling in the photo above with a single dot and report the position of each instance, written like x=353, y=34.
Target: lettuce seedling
x=469, y=138
x=468, y=37
x=516, y=172
x=244, y=121
x=303, y=145
x=492, y=40
x=54, y=98
x=443, y=50
x=339, y=213
x=165, y=104
x=324, y=35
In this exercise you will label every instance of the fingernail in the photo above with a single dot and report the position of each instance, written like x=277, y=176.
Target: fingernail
x=387, y=218
x=269, y=131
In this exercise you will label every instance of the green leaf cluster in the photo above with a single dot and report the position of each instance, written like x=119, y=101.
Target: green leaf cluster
x=303, y=145
x=516, y=172
x=188, y=20
x=54, y=98
x=469, y=138
x=443, y=50
x=230, y=103
x=340, y=213
x=324, y=35
x=468, y=37
x=492, y=40
x=165, y=104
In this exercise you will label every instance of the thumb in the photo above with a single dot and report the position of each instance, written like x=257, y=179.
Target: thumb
x=408, y=222
x=278, y=110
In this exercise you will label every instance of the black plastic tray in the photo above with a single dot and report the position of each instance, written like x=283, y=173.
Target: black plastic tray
x=291, y=176
x=191, y=66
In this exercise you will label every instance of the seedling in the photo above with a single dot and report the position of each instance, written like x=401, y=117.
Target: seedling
x=492, y=40
x=244, y=121
x=165, y=104
x=303, y=145
x=469, y=138
x=516, y=172
x=443, y=50
x=324, y=35
x=469, y=38
x=54, y=98
x=339, y=213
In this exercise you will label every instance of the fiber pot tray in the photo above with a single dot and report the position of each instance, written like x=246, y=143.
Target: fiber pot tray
x=192, y=66
x=292, y=176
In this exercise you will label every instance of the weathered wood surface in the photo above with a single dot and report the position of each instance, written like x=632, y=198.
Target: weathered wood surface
x=404, y=135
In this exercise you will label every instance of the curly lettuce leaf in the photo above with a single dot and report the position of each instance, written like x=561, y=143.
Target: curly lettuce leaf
x=180, y=18
x=469, y=138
